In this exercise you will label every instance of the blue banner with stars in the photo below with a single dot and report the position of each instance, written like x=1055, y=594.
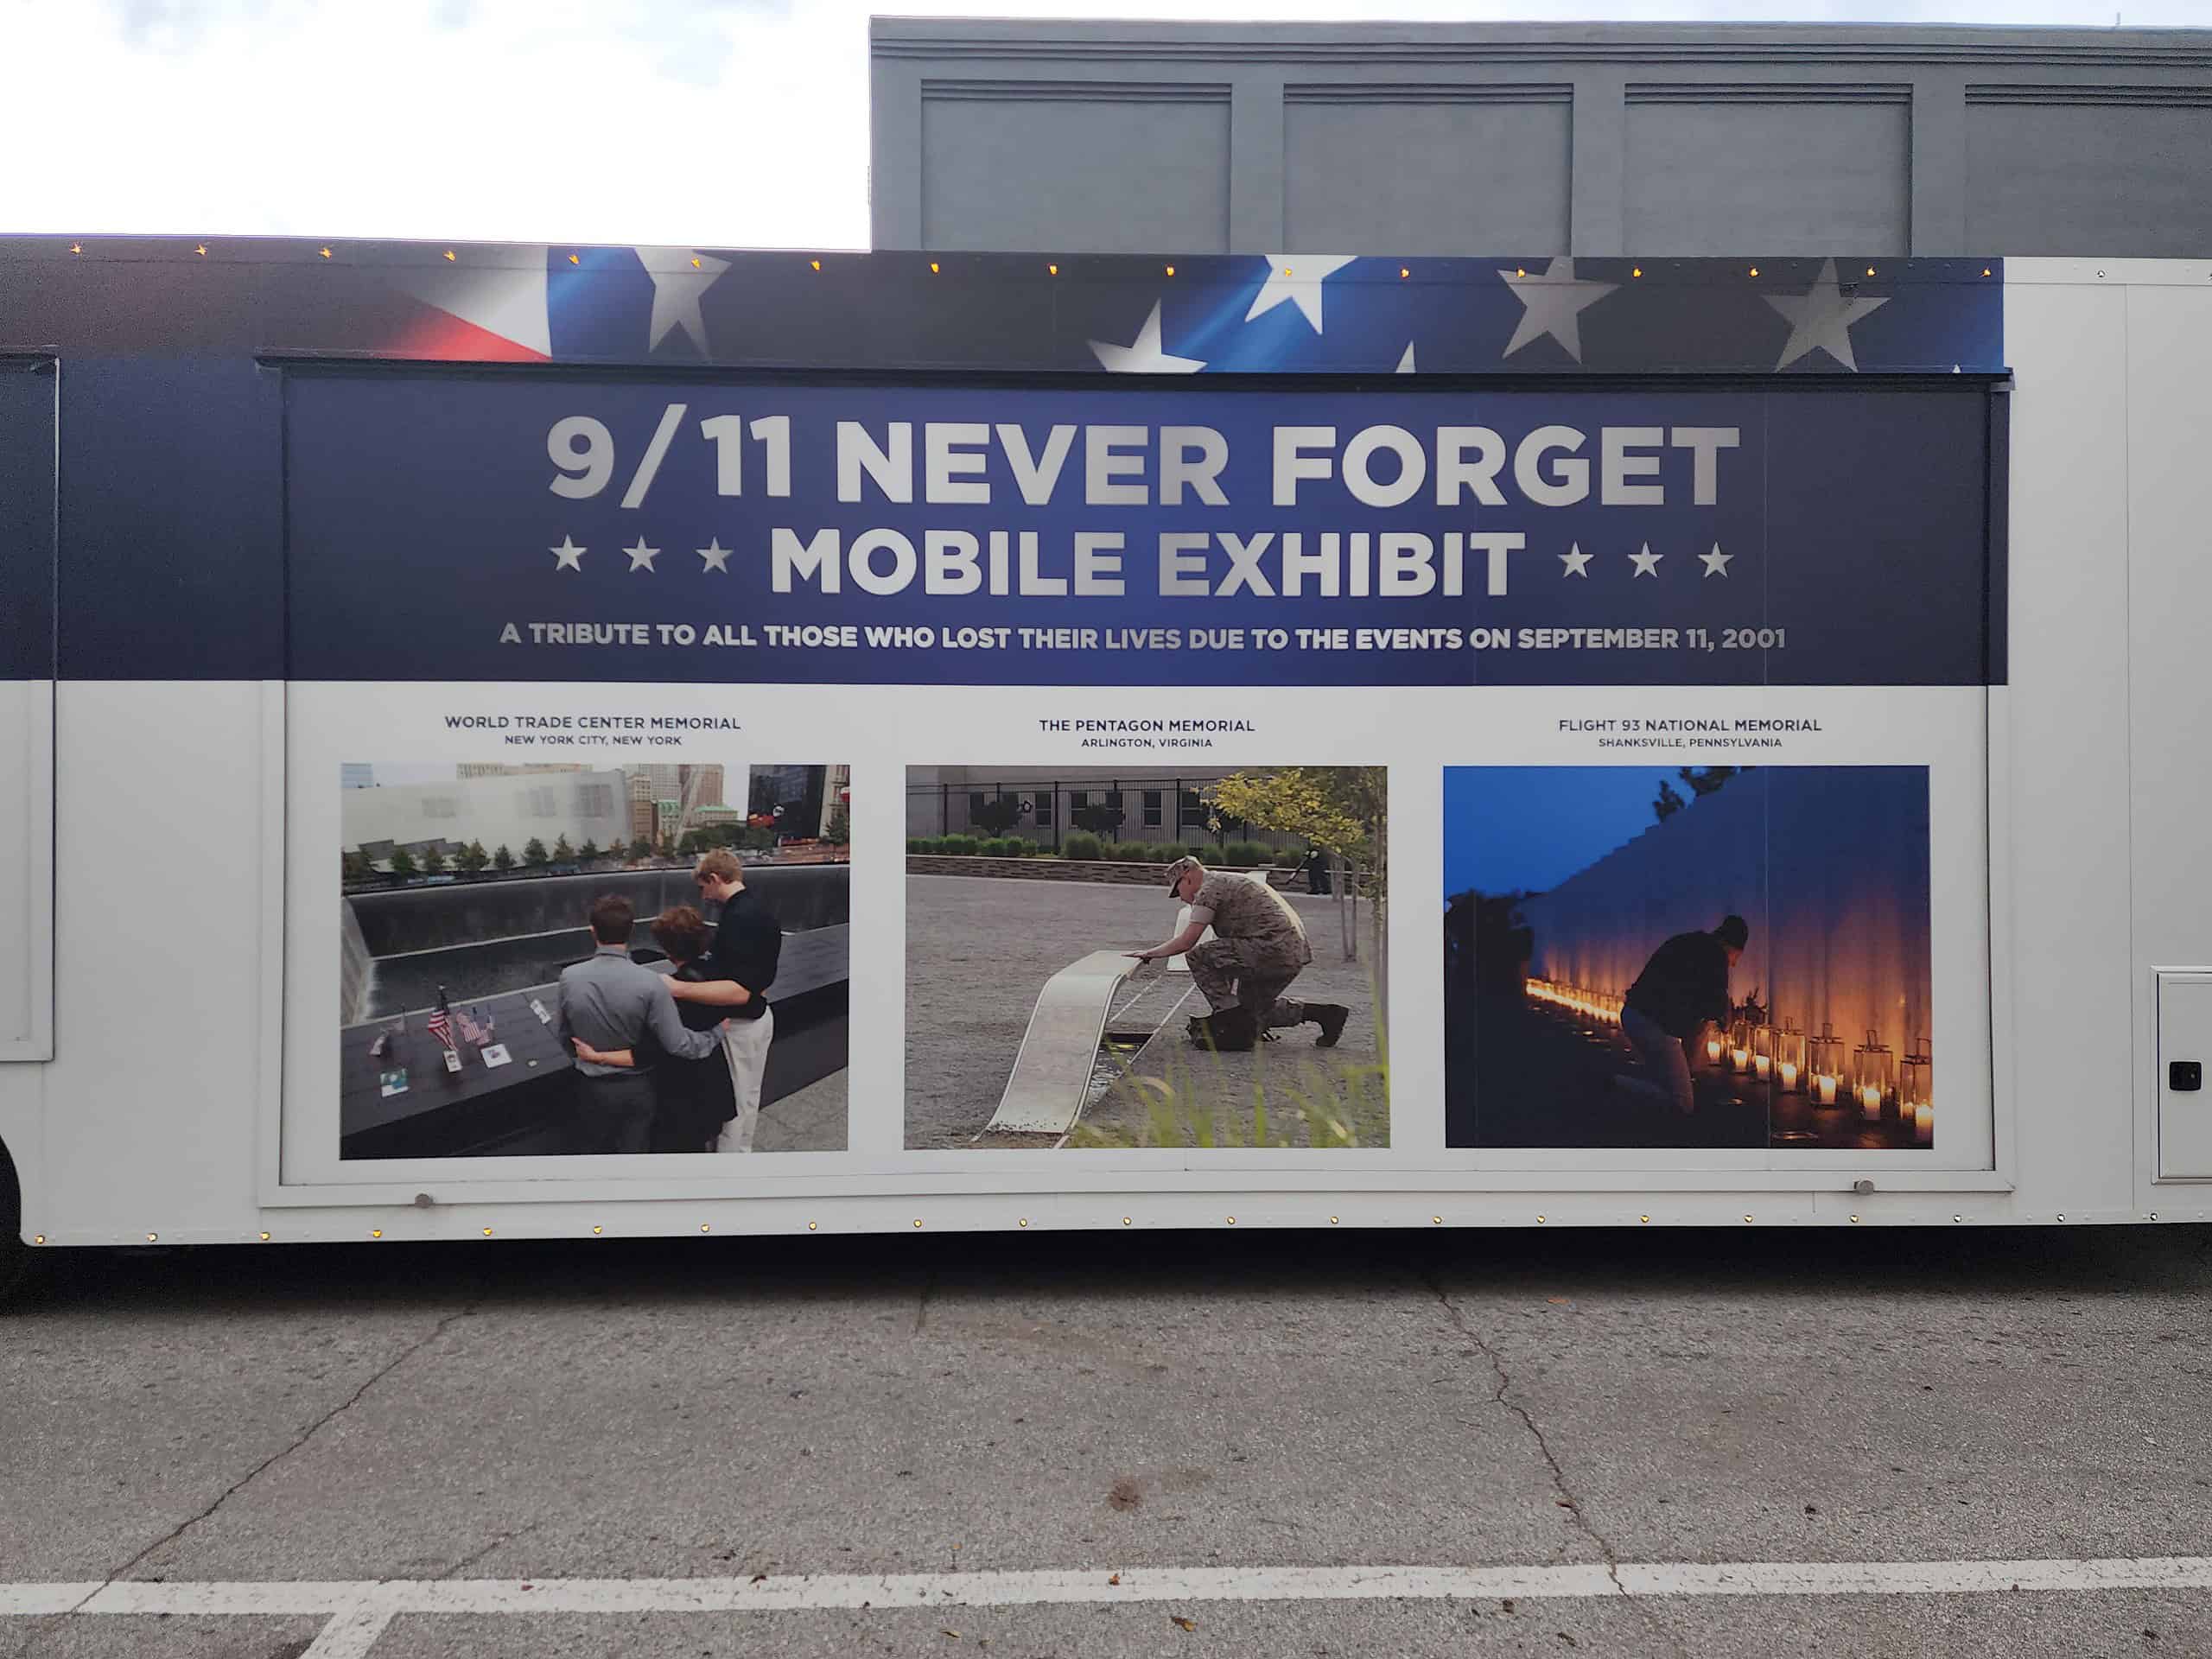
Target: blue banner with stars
x=558, y=527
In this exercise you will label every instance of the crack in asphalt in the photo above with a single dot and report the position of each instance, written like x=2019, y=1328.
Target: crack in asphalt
x=238, y=1485
x=1566, y=1498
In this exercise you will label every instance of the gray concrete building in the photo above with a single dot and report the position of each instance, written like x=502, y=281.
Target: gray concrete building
x=1533, y=139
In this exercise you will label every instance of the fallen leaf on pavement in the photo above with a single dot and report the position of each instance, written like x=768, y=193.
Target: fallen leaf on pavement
x=1181, y=1622
x=1116, y=1579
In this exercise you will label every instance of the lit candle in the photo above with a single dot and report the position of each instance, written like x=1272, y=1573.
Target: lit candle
x=1713, y=1050
x=1870, y=1100
x=1826, y=1086
x=1762, y=1064
x=1788, y=1074
x=1741, y=1056
x=1923, y=1124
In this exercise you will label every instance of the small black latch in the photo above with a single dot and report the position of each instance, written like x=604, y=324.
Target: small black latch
x=2184, y=1077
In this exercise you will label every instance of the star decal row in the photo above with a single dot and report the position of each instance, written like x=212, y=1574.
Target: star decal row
x=1575, y=563
x=1552, y=300
x=569, y=556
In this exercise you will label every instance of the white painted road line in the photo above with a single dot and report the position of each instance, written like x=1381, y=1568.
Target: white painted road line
x=360, y=1609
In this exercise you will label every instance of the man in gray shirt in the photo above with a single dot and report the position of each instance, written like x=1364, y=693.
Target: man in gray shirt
x=611, y=1002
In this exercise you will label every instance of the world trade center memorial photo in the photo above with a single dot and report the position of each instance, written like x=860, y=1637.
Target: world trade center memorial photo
x=469, y=889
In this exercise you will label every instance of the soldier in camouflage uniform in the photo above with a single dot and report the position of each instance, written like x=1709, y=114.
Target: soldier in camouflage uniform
x=1259, y=947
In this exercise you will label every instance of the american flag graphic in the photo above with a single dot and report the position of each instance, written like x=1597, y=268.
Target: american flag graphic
x=440, y=1021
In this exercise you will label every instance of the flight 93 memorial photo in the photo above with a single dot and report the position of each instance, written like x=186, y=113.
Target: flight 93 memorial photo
x=1711, y=956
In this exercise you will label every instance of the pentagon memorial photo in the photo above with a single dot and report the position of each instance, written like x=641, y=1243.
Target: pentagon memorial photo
x=1146, y=957
x=1713, y=956
x=589, y=958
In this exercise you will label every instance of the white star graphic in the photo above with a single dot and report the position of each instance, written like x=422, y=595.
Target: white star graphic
x=1576, y=561
x=680, y=276
x=1406, y=363
x=1296, y=277
x=1146, y=356
x=1647, y=561
x=642, y=557
x=1715, y=562
x=567, y=555
x=1821, y=319
x=715, y=555
x=1552, y=302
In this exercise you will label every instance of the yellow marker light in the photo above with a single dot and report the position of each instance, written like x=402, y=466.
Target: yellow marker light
x=1022, y=1220
x=202, y=250
x=1332, y=1221
x=1984, y=271
x=1403, y=272
x=1747, y=1217
x=1540, y=1221
x=152, y=1238
x=1285, y=270
x=1232, y=1221
x=932, y=267
x=1052, y=270
x=596, y=1231
x=1870, y=271
x=1171, y=270
x=1125, y=1220
x=810, y=1226
x=816, y=263
x=1854, y=1221
x=1645, y=1219
x=705, y=1228
x=696, y=265
x=917, y=1221
x=487, y=1232
x=76, y=247
x=1520, y=271
x=376, y=1232
x=1437, y=1220
x=1755, y=271
x=572, y=259
x=1636, y=271
x=324, y=251
x=264, y=1238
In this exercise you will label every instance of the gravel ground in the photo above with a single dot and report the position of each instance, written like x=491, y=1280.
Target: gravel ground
x=978, y=951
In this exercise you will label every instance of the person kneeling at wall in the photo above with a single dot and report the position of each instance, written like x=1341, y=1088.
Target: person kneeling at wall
x=1258, y=948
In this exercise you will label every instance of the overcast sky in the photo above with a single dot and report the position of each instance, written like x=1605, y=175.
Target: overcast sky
x=716, y=122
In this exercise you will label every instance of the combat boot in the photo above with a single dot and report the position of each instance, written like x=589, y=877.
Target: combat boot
x=1330, y=1017
x=1228, y=1032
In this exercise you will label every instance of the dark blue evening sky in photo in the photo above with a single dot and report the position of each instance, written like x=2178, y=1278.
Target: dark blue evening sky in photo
x=1527, y=829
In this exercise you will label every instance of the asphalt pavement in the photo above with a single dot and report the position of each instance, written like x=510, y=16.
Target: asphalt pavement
x=722, y=1410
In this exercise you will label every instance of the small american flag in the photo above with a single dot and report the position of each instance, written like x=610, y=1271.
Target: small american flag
x=440, y=1021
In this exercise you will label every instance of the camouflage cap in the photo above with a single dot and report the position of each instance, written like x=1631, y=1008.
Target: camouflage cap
x=1180, y=869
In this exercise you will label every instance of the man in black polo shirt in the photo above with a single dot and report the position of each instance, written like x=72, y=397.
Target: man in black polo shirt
x=1682, y=989
x=739, y=967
